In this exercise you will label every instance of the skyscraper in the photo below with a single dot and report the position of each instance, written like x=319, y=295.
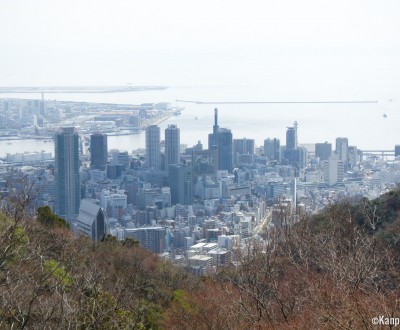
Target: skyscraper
x=397, y=150
x=272, y=149
x=224, y=143
x=292, y=153
x=353, y=156
x=333, y=170
x=66, y=174
x=323, y=150
x=98, y=151
x=172, y=144
x=220, y=143
x=242, y=147
x=153, y=152
x=342, y=150
x=213, y=136
x=181, y=184
x=291, y=137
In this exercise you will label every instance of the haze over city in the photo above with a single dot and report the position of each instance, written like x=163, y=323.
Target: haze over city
x=189, y=165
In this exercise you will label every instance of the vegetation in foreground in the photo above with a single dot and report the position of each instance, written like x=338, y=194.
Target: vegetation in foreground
x=335, y=270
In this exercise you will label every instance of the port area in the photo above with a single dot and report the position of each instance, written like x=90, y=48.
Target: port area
x=40, y=119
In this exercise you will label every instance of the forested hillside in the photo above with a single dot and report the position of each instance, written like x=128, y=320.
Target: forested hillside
x=335, y=270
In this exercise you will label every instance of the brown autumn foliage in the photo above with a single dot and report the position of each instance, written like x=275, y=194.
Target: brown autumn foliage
x=51, y=279
x=335, y=270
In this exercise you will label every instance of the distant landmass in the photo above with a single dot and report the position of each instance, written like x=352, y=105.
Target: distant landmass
x=79, y=89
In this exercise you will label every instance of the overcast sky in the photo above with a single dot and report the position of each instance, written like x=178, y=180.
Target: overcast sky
x=37, y=32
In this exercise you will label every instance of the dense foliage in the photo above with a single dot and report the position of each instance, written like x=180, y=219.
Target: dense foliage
x=335, y=270
x=51, y=279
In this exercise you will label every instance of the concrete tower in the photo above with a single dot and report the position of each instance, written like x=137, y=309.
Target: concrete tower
x=153, y=153
x=98, y=151
x=291, y=137
x=342, y=150
x=181, y=184
x=66, y=174
x=172, y=145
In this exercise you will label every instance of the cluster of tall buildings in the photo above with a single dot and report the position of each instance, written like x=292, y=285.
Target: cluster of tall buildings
x=151, y=198
x=224, y=154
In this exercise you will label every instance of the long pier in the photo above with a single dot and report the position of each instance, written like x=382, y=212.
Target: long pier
x=277, y=102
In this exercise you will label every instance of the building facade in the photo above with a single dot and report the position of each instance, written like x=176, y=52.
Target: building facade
x=342, y=150
x=181, y=184
x=153, y=152
x=172, y=145
x=323, y=150
x=98, y=151
x=66, y=174
x=272, y=149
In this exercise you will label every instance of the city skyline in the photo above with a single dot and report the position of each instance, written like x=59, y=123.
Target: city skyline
x=213, y=164
x=66, y=174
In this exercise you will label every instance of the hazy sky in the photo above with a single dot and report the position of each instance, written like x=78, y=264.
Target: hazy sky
x=38, y=36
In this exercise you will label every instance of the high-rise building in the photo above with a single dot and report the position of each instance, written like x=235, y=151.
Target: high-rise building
x=323, y=150
x=272, y=149
x=353, y=156
x=181, y=184
x=66, y=174
x=172, y=145
x=333, y=170
x=224, y=143
x=212, y=137
x=153, y=152
x=292, y=153
x=220, y=145
x=242, y=147
x=151, y=238
x=98, y=151
x=397, y=150
x=342, y=150
x=291, y=137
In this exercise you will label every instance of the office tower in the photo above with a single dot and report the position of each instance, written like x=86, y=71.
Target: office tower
x=302, y=157
x=397, y=150
x=272, y=149
x=224, y=143
x=323, y=150
x=150, y=238
x=291, y=137
x=242, y=147
x=353, y=156
x=342, y=150
x=212, y=138
x=220, y=146
x=98, y=151
x=66, y=174
x=181, y=184
x=120, y=158
x=333, y=170
x=153, y=153
x=172, y=145
x=292, y=153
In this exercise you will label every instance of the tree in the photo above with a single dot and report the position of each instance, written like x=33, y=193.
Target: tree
x=48, y=218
